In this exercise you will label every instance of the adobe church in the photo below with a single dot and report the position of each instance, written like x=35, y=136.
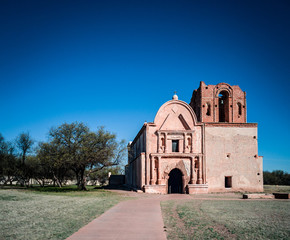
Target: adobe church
x=200, y=147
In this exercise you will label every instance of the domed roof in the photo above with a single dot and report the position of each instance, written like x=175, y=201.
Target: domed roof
x=175, y=97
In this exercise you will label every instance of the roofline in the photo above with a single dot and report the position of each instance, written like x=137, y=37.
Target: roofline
x=139, y=133
x=226, y=124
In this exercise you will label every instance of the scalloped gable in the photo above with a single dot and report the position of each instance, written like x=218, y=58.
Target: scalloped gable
x=175, y=115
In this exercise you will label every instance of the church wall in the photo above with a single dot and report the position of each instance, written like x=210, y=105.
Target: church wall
x=135, y=170
x=141, y=170
x=239, y=113
x=138, y=145
x=152, y=139
x=197, y=140
x=231, y=151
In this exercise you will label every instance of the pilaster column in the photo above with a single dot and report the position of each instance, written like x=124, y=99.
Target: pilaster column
x=199, y=181
x=184, y=142
x=159, y=171
x=191, y=143
x=192, y=170
x=165, y=142
x=158, y=142
x=151, y=170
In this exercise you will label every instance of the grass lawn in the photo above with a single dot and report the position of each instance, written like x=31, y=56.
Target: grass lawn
x=227, y=219
x=53, y=213
x=50, y=214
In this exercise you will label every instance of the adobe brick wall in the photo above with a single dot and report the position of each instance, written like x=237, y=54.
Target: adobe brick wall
x=233, y=151
x=205, y=103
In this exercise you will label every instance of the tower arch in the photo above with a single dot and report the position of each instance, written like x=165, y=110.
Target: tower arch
x=223, y=106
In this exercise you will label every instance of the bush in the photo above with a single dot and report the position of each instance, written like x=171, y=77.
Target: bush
x=276, y=177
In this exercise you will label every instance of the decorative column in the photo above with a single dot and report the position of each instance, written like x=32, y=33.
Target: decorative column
x=158, y=142
x=199, y=181
x=192, y=170
x=165, y=142
x=184, y=142
x=151, y=170
x=159, y=171
x=191, y=142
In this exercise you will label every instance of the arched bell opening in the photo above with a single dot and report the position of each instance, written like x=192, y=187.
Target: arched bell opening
x=239, y=109
x=223, y=106
x=175, y=181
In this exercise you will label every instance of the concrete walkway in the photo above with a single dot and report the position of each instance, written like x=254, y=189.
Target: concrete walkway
x=133, y=219
x=136, y=219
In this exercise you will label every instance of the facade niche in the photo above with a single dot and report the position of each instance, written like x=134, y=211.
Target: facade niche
x=189, y=143
x=162, y=144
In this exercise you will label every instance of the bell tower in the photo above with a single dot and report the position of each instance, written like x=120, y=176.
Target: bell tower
x=221, y=103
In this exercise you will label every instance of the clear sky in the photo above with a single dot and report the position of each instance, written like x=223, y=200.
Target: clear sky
x=114, y=63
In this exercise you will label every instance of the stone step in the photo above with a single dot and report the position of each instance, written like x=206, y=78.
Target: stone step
x=282, y=195
x=258, y=196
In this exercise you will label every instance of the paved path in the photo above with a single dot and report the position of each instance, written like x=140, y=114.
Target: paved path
x=133, y=219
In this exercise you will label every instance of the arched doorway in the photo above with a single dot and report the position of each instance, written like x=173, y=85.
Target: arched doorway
x=175, y=181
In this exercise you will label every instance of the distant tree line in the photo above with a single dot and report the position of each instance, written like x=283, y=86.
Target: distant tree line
x=72, y=152
x=277, y=177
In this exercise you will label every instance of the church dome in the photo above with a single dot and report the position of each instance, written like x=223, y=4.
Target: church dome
x=175, y=97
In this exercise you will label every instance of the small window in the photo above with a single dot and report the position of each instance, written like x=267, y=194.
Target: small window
x=240, y=108
x=228, y=182
x=208, y=110
x=175, y=146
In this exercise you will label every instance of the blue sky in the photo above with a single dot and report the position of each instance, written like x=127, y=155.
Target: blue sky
x=114, y=63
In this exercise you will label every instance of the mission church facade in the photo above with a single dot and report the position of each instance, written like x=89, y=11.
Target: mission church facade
x=204, y=146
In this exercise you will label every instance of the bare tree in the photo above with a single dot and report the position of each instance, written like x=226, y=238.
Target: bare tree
x=24, y=143
x=8, y=162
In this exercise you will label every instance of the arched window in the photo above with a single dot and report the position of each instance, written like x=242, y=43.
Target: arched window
x=239, y=108
x=223, y=106
x=208, y=109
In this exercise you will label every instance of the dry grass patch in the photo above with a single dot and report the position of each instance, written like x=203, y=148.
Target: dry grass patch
x=50, y=215
x=227, y=219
